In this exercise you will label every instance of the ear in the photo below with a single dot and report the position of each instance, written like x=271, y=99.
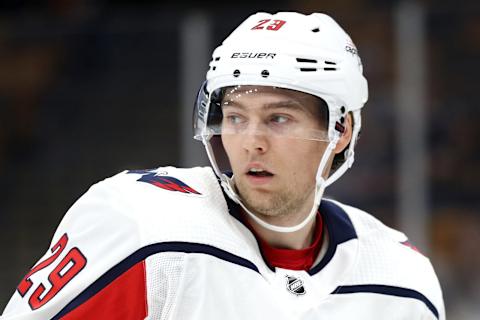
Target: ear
x=346, y=135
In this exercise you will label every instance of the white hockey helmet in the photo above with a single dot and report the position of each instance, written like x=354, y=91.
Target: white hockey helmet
x=307, y=53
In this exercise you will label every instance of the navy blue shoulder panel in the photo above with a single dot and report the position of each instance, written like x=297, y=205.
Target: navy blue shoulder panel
x=388, y=290
x=338, y=222
x=141, y=255
x=340, y=229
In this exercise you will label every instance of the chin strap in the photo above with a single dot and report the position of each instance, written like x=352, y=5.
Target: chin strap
x=341, y=170
x=228, y=185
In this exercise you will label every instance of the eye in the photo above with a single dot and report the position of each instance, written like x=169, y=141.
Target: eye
x=279, y=119
x=234, y=119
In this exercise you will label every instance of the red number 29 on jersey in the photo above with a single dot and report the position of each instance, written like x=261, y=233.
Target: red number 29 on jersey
x=73, y=262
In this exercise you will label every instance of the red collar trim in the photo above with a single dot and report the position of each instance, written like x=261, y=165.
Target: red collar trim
x=292, y=259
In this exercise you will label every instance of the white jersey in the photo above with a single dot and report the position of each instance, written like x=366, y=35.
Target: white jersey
x=166, y=244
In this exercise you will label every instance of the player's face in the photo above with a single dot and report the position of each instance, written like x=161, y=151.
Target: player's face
x=266, y=137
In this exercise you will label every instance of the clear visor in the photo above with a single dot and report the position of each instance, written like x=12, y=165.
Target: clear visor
x=260, y=110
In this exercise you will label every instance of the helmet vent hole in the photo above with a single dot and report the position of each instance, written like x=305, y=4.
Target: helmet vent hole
x=217, y=58
x=306, y=60
x=308, y=69
x=214, y=68
x=265, y=73
x=316, y=30
x=236, y=73
x=330, y=62
x=342, y=109
x=329, y=69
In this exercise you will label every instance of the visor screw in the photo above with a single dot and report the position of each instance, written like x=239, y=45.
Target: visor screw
x=236, y=73
x=265, y=73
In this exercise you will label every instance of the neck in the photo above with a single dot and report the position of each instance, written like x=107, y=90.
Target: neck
x=292, y=240
x=297, y=240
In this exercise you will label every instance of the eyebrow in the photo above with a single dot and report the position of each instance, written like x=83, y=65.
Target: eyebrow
x=287, y=104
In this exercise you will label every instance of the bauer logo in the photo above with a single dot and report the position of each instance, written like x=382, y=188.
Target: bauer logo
x=253, y=55
x=295, y=285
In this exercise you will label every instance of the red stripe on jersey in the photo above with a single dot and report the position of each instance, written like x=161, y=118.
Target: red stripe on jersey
x=125, y=298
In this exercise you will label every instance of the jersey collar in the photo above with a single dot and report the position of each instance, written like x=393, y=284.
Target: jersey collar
x=302, y=259
x=337, y=224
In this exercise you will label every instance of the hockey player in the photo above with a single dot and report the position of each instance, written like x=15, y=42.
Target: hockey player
x=279, y=115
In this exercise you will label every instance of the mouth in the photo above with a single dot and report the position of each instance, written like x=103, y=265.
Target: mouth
x=258, y=172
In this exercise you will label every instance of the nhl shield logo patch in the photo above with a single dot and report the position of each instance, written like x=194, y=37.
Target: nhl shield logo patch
x=295, y=285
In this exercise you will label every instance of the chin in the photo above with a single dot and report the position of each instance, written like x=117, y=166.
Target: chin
x=252, y=204
x=259, y=201
x=263, y=208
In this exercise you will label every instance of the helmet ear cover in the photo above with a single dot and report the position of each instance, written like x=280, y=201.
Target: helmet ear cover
x=341, y=156
x=215, y=114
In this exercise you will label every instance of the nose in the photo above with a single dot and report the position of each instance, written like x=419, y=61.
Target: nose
x=255, y=141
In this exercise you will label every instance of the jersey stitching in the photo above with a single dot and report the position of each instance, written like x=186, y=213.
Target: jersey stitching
x=172, y=312
x=144, y=267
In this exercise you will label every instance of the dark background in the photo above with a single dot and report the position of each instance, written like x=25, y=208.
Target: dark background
x=90, y=88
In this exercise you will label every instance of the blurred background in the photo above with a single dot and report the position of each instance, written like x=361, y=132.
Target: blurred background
x=90, y=88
